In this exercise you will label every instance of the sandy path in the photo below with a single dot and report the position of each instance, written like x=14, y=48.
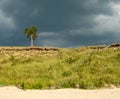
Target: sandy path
x=15, y=93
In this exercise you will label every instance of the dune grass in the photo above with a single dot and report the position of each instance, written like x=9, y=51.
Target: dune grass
x=68, y=68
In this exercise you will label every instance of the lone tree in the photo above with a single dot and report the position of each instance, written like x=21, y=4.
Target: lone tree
x=31, y=33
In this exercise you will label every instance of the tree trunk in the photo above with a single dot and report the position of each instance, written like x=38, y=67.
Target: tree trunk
x=31, y=38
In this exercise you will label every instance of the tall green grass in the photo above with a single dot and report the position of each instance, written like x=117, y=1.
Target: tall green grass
x=69, y=68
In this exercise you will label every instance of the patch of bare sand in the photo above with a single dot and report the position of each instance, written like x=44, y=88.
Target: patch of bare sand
x=15, y=93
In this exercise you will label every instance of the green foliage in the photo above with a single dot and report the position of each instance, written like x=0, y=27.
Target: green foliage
x=69, y=68
x=31, y=33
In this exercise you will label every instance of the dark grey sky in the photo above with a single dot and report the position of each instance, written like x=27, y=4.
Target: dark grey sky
x=61, y=23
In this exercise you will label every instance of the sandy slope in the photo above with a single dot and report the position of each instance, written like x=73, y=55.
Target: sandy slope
x=15, y=93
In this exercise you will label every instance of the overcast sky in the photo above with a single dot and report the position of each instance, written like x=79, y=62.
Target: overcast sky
x=61, y=23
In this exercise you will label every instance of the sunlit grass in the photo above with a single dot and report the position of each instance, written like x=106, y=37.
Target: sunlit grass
x=68, y=68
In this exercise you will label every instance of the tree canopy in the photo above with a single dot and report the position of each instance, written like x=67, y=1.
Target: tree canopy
x=31, y=33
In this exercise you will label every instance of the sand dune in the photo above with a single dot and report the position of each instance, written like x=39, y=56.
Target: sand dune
x=15, y=93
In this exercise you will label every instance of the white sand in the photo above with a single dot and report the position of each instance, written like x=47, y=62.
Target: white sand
x=15, y=93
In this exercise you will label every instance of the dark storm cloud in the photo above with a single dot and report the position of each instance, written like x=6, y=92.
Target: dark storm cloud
x=90, y=39
x=56, y=16
x=77, y=40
